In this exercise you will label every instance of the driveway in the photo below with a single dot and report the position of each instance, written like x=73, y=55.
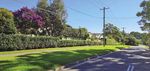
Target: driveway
x=135, y=58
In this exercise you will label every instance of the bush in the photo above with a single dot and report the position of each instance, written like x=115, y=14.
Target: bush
x=70, y=43
x=112, y=41
x=131, y=41
x=7, y=25
x=20, y=42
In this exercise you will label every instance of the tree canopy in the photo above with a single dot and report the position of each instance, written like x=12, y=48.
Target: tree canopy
x=7, y=25
x=27, y=21
x=113, y=32
x=145, y=18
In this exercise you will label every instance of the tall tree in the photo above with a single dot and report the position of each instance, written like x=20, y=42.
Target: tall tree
x=42, y=4
x=45, y=14
x=145, y=17
x=113, y=32
x=58, y=17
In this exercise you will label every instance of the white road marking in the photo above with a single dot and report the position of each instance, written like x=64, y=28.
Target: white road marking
x=129, y=68
x=132, y=68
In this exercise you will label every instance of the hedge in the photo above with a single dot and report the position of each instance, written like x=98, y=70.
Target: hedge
x=69, y=43
x=21, y=42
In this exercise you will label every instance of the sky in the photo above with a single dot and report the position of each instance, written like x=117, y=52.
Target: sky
x=87, y=13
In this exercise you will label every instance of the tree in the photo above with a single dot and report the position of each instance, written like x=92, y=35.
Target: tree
x=7, y=25
x=112, y=31
x=83, y=33
x=45, y=14
x=137, y=35
x=145, y=18
x=144, y=39
x=80, y=33
x=42, y=4
x=27, y=21
x=130, y=40
x=67, y=32
x=58, y=17
x=54, y=16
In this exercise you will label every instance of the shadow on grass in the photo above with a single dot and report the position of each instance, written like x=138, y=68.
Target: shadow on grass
x=120, y=48
x=48, y=60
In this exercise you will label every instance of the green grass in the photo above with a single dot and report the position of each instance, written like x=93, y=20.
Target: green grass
x=50, y=58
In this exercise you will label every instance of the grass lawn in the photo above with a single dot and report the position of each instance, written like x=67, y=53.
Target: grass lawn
x=49, y=58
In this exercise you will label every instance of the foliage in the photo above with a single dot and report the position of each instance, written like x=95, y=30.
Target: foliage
x=144, y=14
x=83, y=33
x=27, y=21
x=44, y=12
x=112, y=41
x=58, y=17
x=42, y=4
x=69, y=43
x=145, y=19
x=7, y=25
x=112, y=31
x=80, y=33
x=130, y=40
x=137, y=35
x=68, y=31
x=19, y=42
x=54, y=16
x=144, y=38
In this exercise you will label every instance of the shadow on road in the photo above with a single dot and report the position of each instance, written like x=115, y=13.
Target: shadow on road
x=118, y=61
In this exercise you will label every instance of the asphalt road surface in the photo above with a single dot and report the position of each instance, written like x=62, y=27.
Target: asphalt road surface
x=133, y=59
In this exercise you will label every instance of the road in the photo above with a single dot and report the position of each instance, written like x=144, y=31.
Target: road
x=132, y=59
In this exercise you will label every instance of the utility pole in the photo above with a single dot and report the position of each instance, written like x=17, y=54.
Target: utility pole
x=123, y=35
x=104, y=36
x=80, y=32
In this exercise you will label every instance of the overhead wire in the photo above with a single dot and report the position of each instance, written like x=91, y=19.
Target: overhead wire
x=86, y=14
x=83, y=13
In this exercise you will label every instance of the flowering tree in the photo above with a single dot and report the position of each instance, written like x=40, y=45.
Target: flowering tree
x=27, y=21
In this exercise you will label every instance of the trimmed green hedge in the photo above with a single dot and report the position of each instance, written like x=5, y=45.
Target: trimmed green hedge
x=21, y=42
x=69, y=43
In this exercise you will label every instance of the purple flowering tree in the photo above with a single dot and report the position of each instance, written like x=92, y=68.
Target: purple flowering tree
x=27, y=21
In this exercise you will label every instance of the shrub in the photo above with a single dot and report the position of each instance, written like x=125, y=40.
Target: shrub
x=70, y=43
x=7, y=25
x=112, y=41
x=20, y=42
x=131, y=41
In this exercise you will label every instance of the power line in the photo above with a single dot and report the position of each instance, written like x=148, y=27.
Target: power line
x=100, y=2
x=53, y=13
x=94, y=3
x=83, y=13
x=123, y=17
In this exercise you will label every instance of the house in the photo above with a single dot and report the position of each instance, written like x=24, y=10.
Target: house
x=95, y=35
